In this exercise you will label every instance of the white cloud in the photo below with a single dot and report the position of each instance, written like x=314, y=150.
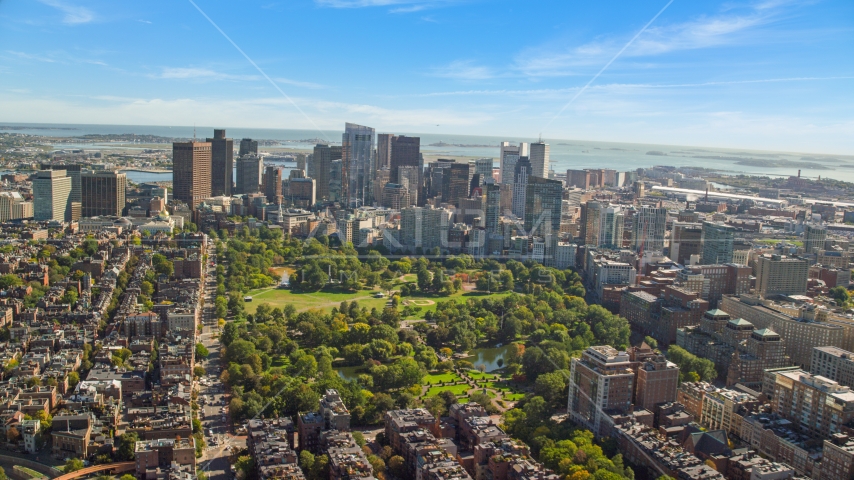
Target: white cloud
x=29, y=56
x=144, y=21
x=463, y=70
x=200, y=74
x=702, y=32
x=297, y=83
x=74, y=14
x=400, y=6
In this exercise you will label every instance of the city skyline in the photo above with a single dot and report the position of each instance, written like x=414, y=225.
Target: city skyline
x=761, y=75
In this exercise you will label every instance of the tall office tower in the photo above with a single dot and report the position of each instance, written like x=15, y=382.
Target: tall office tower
x=455, y=183
x=336, y=180
x=483, y=167
x=273, y=184
x=405, y=151
x=781, y=275
x=310, y=166
x=718, y=239
x=300, y=160
x=357, y=156
x=248, y=147
x=520, y=186
x=542, y=206
x=493, y=206
x=540, y=159
x=507, y=158
x=191, y=172
x=384, y=150
x=103, y=193
x=590, y=221
x=601, y=380
x=814, y=237
x=648, y=229
x=380, y=179
x=322, y=161
x=51, y=196
x=409, y=176
x=248, y=174
x=395, y=196
x=72, y=171
x=222, y=164
x=686, y=240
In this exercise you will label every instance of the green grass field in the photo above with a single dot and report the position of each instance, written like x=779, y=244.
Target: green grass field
x=441, y=378
x=325, y=300
x=456, y=389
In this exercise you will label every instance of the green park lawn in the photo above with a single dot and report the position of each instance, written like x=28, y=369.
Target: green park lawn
x=441, y=378
x=476, y=375
x=324, y=300
x=456, y=389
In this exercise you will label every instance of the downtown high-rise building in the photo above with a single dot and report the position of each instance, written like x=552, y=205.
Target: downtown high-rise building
x=384, y=150
x=222, y=164
x=409, y=176
x=602, y=224
x=539, y=158
x=273, y=184
x=520, y=186
x=814, y=237
x=248, y=147
x=781, y=275
x=718, y=240
x=543, y=200
x=103, y=193
x=404, y=151
x=14, y=207
x=601, y=382
x=686, y=240
x=508, y=156
x=249, y=174
x=483, y=167
x=321, y=166
x=191, y=172
x=648, y=229
x=72, y=171
x=455, y=183
x=51, y=196
x=492, y=191
x=357, y=156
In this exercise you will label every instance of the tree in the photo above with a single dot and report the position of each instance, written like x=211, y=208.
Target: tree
x=72, y=465
x=4, y=477
x=840, y=294
x=198, y=371
x=359, y=438
x=397, y=466
x=12, y=434
x=201, y=351
x=127, y=476
x=653, y=343
x=127, y=446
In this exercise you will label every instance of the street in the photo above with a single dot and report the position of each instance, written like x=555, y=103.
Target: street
x=213, y=401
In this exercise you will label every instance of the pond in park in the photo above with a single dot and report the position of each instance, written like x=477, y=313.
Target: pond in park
x=489, y=357
x=350, y=373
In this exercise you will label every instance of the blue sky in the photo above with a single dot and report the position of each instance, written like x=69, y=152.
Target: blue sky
x=767, y=74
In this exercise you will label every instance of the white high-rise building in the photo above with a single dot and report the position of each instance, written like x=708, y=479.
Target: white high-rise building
x=520, y=186
x=539, y=158
x=424, y=227
x=51, y=195
x=507, y=160
x=648, y=229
